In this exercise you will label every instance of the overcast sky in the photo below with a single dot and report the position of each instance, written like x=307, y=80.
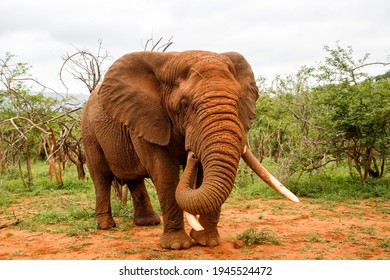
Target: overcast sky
x=275, y=36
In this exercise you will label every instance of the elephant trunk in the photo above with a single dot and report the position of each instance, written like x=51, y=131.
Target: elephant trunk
x=221, y=151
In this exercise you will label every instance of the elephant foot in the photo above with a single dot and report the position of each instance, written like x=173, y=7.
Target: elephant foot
x=105, y=221
x=207, y=237
x=175, y=240
x=147, y=220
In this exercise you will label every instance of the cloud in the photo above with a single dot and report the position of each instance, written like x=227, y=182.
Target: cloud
x=275, y=36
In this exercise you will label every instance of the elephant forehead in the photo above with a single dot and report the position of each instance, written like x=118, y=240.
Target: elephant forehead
x=213, y=58
x=212, y=61
x=199, y=59
x=181, y=66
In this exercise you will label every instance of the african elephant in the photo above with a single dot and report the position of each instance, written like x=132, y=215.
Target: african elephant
x=157, y=112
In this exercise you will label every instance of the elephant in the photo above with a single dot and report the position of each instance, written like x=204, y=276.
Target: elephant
x=156, y=113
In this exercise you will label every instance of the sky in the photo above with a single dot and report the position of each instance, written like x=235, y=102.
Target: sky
x=275, y=36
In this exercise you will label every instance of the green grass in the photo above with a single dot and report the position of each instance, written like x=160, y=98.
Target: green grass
x=49, y=207
x=314, y=237
x=253, y=236
x=6, y=199
x=333, y=183
x=369, y=230
x=47, y=203
x=69, y=208
x=385, y=244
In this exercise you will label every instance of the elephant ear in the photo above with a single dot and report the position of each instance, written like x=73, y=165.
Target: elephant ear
x=249, y=90
x=130, y=94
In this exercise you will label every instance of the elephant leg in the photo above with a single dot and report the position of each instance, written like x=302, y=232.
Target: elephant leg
x=144, y=214
x=174, y=235
x=102, y=178
x=209, y=236
x=164, y=170
x=103, y=212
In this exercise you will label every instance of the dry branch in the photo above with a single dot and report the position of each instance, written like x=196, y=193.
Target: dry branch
x=154, y=46
x=67, y=199
x=85, y=67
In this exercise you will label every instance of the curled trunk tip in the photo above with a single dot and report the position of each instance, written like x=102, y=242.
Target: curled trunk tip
x=212, y=193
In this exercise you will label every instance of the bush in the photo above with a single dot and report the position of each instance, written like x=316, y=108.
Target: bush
x=253, y=236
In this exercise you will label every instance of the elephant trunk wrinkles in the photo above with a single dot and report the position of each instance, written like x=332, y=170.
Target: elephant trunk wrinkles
x=221, y=151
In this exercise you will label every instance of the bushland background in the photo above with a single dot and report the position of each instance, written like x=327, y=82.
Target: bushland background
x=324, y=131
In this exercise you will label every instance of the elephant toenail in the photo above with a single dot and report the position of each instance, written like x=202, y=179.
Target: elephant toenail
x=213, y=243
x=175, y=246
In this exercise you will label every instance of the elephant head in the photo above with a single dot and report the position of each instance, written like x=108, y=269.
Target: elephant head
x=205, y=99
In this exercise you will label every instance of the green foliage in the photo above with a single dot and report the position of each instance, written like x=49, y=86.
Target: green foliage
x=323, y=114
x=252, y=236
x=385, y=244
x=5, y=199
x=357, y=122
x=31, y=122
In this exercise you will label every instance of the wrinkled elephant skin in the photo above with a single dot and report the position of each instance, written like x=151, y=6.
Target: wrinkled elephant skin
x=149, y=113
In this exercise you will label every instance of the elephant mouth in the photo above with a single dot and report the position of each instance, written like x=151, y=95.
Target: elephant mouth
x=191, y=172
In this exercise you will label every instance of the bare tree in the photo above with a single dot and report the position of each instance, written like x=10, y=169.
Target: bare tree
x=72, y=147
x=29, y=121
x=85, y=66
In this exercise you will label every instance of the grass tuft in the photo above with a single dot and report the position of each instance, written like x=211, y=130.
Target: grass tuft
x=253, y=236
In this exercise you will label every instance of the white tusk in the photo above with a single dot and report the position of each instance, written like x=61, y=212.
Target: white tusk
x=193, y=221
x=283, y=190
x=267, y=177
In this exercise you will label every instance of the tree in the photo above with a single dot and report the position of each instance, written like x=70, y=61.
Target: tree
x=356, y=111
x=24, y=115
x=30, y=121
x=88, y=68
x=85, y=66
x=330, y=112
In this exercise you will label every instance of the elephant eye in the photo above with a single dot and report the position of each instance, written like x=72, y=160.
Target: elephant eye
x=184, y=103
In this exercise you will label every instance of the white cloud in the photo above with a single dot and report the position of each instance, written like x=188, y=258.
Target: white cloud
x=275, y=36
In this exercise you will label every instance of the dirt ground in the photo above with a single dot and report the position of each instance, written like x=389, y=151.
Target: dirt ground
x=308, y=230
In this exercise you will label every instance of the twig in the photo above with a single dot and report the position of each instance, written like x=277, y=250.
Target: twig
x=17, y=128
x=155, y=46
x=68, y=200
x=8, y=225
x=371, y=64
x=65, y=114
x=85, y=67
x=34, y=125
x=8, y=216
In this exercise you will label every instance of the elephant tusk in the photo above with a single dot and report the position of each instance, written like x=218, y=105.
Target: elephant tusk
x=193, y=221
x=267, y=177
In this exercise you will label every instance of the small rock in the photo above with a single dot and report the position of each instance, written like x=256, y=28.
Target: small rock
x=238, y=244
